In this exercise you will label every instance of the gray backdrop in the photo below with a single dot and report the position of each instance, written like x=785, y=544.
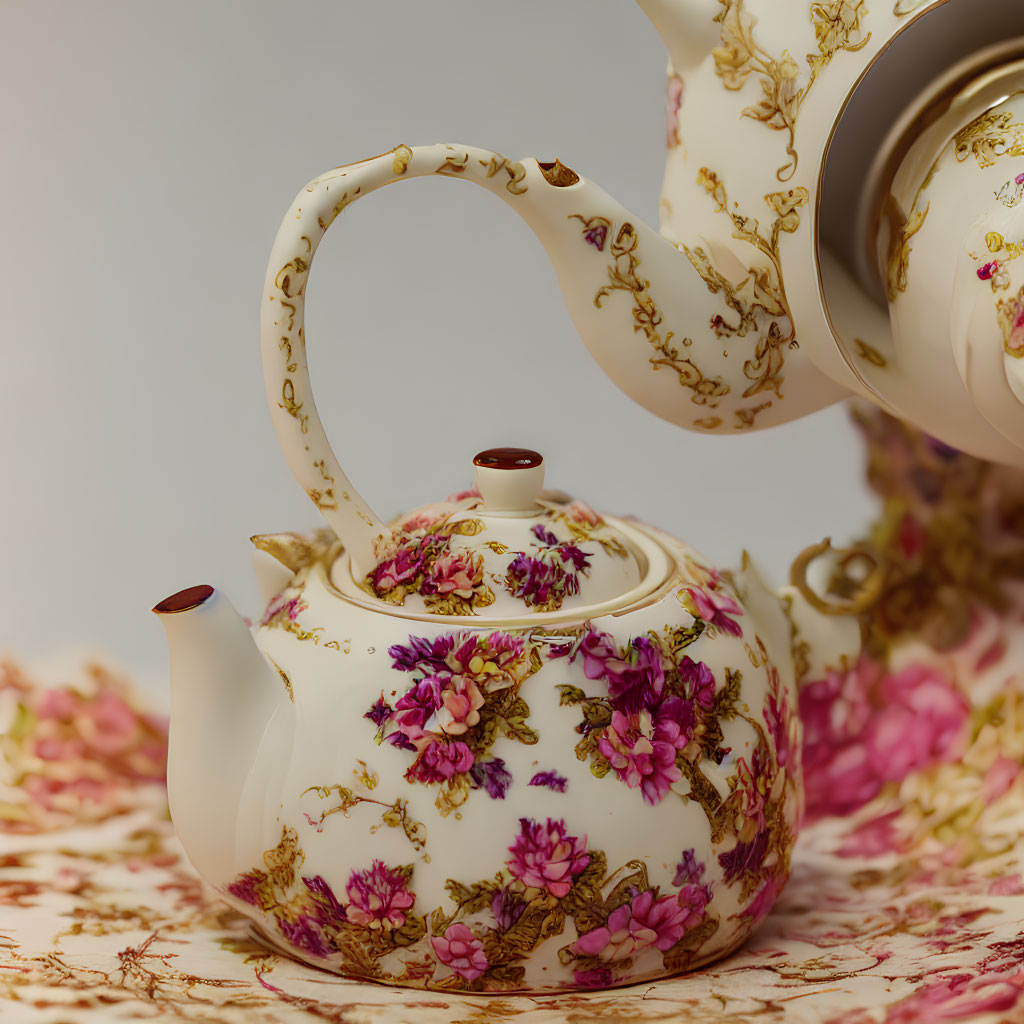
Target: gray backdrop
x=150, y=150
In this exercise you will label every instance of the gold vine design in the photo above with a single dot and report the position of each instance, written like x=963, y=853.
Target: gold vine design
x=647, y=319
x=761, y=295
x=395, y=815
x=837, y=26
x=988, y=138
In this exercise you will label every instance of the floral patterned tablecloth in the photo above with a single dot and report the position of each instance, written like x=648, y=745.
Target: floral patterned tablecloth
x=906, y=900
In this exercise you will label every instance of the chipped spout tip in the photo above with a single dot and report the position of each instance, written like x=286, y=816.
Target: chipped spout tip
x=184, y=600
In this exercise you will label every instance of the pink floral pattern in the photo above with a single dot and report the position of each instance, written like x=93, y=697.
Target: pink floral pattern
x=418, y=560
x=378, y=898
x=868, y=727
x=544, y=857
x=549, y=878
x=465, y=693
x=428, y=554
x=645, y=921
x=73, y=754
x=462, y=951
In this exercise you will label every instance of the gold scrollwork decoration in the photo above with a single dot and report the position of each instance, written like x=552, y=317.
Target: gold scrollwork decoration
x=852, y=594
x=513, y=168
x=647, y=319
x=291, y=278
x=401, y=155
x=745, y=417
x=284, y=678
x=901, y=231
x=870, y=354
x=708, y=422
x=395, y=815
x=989, y=137
x=455, y=162
x=290, y=406
x=837, y=26
x=1012, y=192
x=1010, y=313
x=346, y=200
x=759, y=300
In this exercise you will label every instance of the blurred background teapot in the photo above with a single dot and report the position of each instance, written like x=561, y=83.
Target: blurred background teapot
x=839, y=215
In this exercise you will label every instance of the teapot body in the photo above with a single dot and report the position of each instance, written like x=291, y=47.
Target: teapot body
x=523, y=808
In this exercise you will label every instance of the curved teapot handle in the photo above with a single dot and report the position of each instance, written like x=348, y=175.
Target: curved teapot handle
x=285, y=369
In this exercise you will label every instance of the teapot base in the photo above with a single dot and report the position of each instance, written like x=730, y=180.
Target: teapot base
x=265, y=937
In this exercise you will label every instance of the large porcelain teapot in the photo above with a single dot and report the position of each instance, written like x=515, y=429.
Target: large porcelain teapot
x=841, y=214
x=504, y=743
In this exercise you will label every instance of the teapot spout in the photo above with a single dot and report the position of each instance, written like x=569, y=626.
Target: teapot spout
x=224, y=696
x=687, y=27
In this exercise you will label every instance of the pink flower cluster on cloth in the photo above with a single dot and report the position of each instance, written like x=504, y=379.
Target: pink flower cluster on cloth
x=78, y=754
x=378, y=898
x=544, y=857
x=866, y=727
x=460, y=950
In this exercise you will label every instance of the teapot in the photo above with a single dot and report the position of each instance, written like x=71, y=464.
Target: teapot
x=841, y=214
x=504, y=743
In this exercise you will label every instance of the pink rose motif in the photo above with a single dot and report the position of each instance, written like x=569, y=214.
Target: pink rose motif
x=544, y=857
x=715, y=608
x=451, y=575
x=378, y=897
x=460, y=704
x=460, y=950
x=644, y=922
x=406, y=564
x=441, y=761
x=640, y=756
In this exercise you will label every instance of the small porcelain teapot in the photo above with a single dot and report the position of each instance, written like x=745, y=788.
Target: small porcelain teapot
x=840, y=214
x=502, y=744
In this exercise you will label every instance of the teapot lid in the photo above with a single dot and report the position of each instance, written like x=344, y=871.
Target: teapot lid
x=506, y=550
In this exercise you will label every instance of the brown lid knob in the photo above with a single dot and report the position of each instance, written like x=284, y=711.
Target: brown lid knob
x=509, y=479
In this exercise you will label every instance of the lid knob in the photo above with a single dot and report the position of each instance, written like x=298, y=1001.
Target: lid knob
x=509, y=479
